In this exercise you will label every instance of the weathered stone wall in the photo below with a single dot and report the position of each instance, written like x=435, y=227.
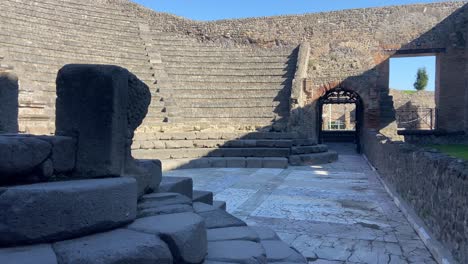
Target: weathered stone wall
x=8, y=99
x=351, y=48
x=434, y=184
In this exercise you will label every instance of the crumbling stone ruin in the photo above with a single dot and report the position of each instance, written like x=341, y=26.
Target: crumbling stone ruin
x=231, y=93
x=104, y=206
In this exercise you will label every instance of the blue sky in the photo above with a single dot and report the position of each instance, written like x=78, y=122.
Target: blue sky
x=403, y=70
x=222, y=9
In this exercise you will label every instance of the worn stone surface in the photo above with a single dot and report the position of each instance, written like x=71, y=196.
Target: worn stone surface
x=219, y=218
x=233, y=233
x=42, y=253
x=9, y=103
x=21, y=155
x=117, y=246
x=265, y=233
x=278, y=251
x=185, y=234
x=155, y=200
x=165, y=209
x=182, y=185
x=331, y=213
x=100, y=105
x=63, y=152
x=203, y=196
x=60, y=210
x=148, y=175
x=236, y=251
x=427, y=180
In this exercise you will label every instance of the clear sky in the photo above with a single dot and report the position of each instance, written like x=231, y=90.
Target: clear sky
x=222, y=9
x=402, y=73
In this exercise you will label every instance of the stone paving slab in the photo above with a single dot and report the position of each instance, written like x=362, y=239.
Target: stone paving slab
x=333, y=214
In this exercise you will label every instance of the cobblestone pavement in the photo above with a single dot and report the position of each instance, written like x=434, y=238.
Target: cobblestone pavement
x=334, y=213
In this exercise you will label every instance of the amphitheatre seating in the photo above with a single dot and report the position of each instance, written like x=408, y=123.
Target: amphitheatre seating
x=44, y=35
x=205, y=83
x=196, y=87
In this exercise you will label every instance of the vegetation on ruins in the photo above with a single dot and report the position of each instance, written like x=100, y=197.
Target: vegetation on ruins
x=421, y=79
x=455, y=150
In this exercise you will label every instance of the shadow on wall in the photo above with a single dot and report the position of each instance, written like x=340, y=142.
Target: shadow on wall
x=9, y=102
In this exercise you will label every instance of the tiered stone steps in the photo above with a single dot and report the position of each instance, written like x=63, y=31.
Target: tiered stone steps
x=252, y=150
x=206, y=83
x=41, y=36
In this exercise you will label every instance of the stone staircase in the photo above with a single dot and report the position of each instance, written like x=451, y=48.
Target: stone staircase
x=222, y=149
x=41, y=36
x=204, y=83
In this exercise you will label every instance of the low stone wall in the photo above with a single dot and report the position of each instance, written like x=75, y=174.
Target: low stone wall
x=434, y=184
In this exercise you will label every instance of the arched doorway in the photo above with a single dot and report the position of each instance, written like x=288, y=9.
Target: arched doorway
x=340, y=117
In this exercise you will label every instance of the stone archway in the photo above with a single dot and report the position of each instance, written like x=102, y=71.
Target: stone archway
x=341, y=96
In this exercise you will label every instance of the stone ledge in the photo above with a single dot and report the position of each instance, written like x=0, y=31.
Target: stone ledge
x=54, y=211
x=117, y=246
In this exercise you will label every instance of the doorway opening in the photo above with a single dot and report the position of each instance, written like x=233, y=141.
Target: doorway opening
x=340, y=117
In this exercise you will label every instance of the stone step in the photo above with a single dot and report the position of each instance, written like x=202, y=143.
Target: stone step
x=22, y=30
x=111, y=10
x=276, y=124
x=217, y=134
x=225, y=94
x=190, y=45
x=210, y=143
x=180, y=185
x=67, y=57
x=229, y=66
x=203, y=197
x=92, y=13
x=184, y=85
x=225, y=59
x=33, y=41
x=230, y=72
x=230, y=79
x=209, y=152
x=41, y=16
x=225, y=162
x=225, y=112
x=220, y=205
x=47, y=61
x=304, y=142
x=309, y=149
x=313, y=159
x=223, y=53
x=223, y=103
x=52, y=49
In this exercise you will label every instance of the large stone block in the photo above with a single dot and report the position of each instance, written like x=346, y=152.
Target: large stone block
x=100, y=105
x=185, y=234
x=42, y=253
x=233, y=233
x=182, y=185
x=218, y=218
x=20, y=156
x=55, y=211
x=278, y=251
x=236, y=251
x=63, y=152
x=148, y=174
x=8, y=103
x=117, y=246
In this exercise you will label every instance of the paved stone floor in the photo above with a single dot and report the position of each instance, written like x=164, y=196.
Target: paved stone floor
x=334, y=213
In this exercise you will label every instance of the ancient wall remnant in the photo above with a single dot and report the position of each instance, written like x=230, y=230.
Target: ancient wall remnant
x=433, y=183
x=8, y=100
